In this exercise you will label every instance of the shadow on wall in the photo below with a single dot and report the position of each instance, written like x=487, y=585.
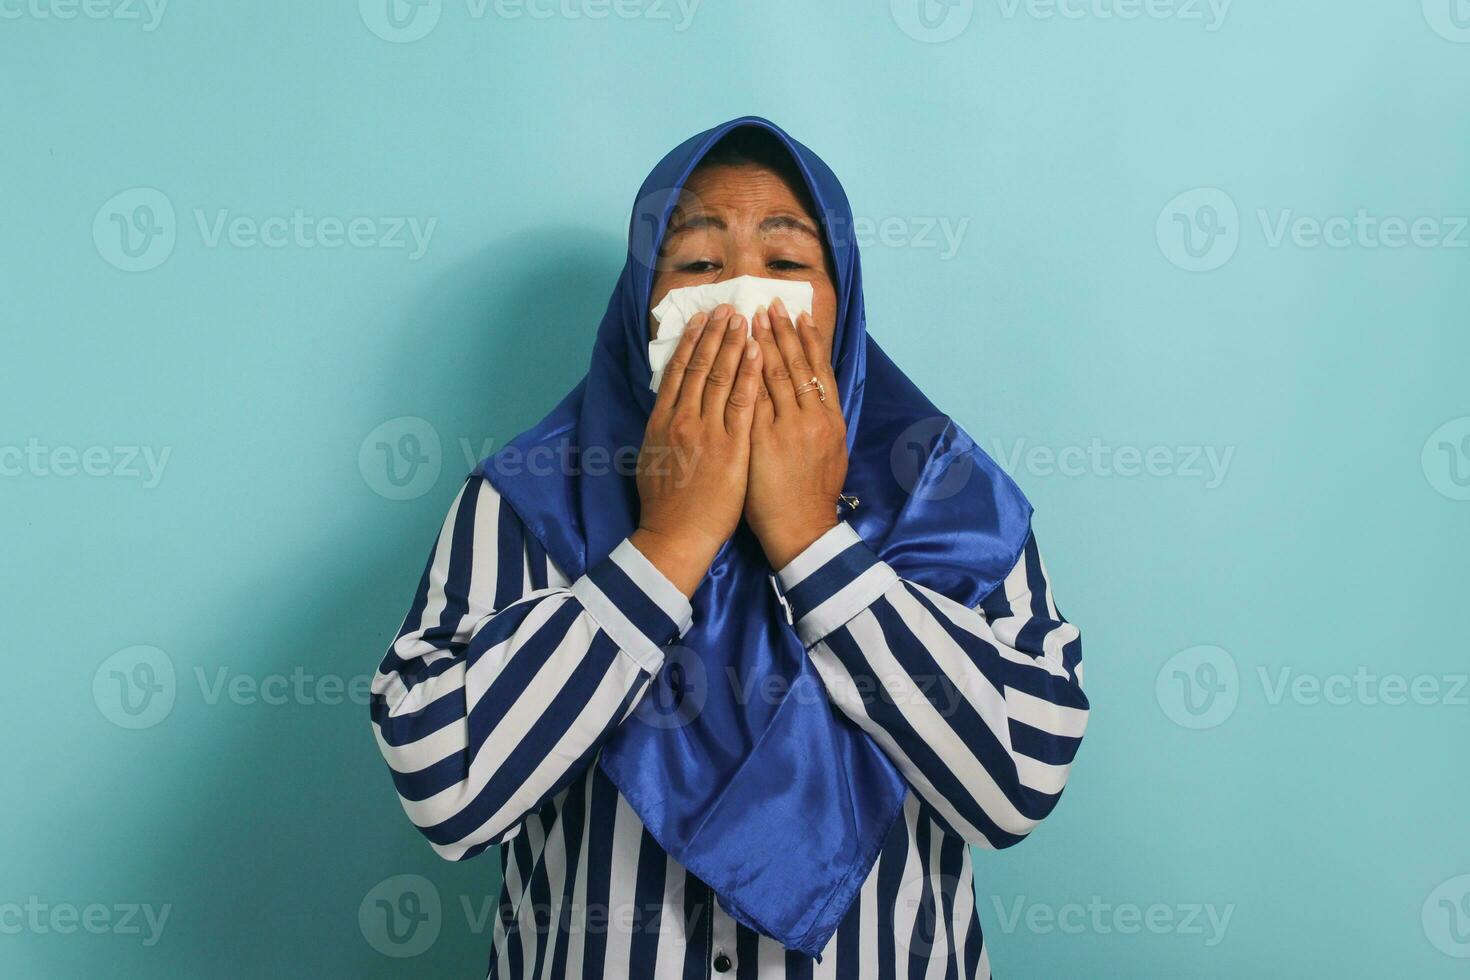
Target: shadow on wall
x=294, y=820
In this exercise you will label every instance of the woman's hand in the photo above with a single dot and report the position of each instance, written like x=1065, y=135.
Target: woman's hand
x=695, y=459
x=798, y=442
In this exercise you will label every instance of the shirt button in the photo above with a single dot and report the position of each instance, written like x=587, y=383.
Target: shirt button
x=722, y=963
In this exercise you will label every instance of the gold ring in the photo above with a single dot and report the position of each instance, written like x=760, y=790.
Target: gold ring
x=813, y=383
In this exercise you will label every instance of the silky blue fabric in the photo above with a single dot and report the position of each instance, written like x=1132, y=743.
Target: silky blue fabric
x=735, y=760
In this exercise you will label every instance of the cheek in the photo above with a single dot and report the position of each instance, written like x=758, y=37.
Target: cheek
x=663, y=284
x=661, y=287
x=665, y=281
x=824, y=307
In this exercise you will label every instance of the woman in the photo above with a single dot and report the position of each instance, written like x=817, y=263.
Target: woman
x=738, y=712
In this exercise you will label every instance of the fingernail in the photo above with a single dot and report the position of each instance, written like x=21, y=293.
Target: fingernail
x=737, y=322
x=694, y=327
x=723, y=310
x=762, y=319
x=751, y=349
x=778, y=307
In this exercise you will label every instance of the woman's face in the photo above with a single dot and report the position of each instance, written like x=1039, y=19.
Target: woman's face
x=744, y=220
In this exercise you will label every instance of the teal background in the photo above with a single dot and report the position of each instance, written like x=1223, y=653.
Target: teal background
x=1336, y=540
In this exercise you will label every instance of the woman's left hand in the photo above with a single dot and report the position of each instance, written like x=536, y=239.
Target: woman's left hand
x=798, y=443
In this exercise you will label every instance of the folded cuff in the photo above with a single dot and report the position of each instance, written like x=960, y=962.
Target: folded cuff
x=639, y=608
x=834, y=579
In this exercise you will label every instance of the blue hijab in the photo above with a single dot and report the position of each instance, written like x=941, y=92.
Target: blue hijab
x=735, y=760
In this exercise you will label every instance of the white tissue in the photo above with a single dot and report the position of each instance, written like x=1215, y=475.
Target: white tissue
x=744, y=293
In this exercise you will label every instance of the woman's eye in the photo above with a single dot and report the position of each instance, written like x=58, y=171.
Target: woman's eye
x=703, y=265
x=785, y=265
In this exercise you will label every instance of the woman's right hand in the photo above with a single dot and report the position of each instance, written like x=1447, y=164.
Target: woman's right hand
x=695, y=459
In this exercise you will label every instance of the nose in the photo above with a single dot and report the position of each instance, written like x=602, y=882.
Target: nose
x=744, y=260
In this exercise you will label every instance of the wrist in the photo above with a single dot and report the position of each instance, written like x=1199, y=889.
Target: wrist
x=682, y=558
x=783, y=543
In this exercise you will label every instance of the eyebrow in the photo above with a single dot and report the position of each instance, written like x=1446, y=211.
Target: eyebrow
x=777, y=222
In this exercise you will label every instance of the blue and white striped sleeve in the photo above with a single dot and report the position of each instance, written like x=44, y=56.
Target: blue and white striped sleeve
x=981, y=709
x=505, y=678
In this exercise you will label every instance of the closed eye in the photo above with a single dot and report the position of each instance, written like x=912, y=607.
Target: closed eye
x=701, y=266
x=785, y=265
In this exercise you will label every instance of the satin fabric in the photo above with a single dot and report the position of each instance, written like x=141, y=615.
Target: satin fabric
x=734, y=760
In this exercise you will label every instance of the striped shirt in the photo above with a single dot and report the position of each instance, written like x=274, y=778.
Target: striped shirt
x=506, y=679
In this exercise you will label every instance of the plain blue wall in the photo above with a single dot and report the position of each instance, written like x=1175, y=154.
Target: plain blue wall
x=1070, y=313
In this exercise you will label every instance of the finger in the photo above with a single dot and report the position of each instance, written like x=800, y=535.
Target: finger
x=668, y=388
x=740, y=408
x=790, y=346
x=721, y=379
x=765, y=409
x=776, y=375
x=691, y=395
x=814, y=346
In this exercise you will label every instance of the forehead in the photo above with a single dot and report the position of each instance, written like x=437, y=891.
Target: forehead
x=738, y=188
